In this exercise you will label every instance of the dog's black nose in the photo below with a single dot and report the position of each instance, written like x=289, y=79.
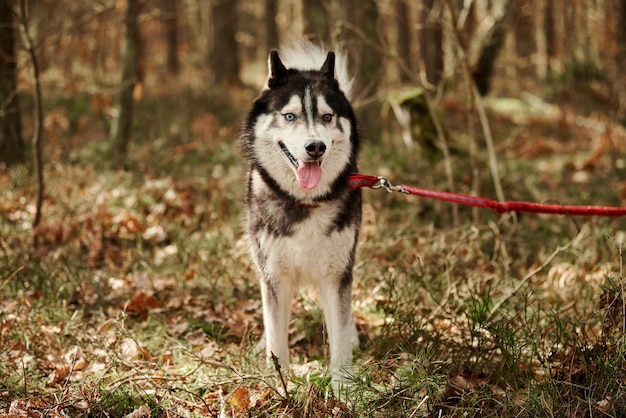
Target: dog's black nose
x=315, y=149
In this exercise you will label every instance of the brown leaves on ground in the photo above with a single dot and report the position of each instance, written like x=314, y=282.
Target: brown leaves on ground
x=107, y=229
x=31, y=407
x=145, y=285
x=107, y=215
x=141, y=304
x=258, y=400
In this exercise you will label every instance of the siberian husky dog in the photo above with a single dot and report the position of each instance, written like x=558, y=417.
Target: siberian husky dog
x=300, y=141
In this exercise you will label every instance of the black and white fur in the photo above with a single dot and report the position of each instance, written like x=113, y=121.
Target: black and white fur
x=301, y=141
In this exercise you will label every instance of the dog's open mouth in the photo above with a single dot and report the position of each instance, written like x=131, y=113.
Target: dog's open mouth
x=308, y=173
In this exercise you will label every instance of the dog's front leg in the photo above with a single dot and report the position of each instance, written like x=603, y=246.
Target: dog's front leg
x=342, y=334
x=276, y=297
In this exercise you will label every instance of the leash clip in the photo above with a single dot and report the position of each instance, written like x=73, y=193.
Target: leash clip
x=383, y=183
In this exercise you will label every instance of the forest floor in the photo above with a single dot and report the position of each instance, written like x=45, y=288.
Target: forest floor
x=136, y=296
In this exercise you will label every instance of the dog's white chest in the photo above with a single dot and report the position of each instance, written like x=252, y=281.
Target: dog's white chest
x=311, y=253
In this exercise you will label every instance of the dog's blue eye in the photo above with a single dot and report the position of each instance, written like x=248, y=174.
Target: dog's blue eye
x=328, y=117
x=289, y=117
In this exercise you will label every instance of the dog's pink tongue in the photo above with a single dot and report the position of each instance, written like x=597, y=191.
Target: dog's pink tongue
x=309, y=174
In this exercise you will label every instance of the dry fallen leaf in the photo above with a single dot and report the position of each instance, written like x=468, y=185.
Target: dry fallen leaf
x=75, y=357
x=58, y=375
x=155, y=234
x=127, y=224
x=141, y=304
x=605, y=404
x=96, y=368
x=162, y=254
x=130, y=349
x=168, y=359
x=189, y=274
x=196, y=337
x=240, y=399
x=463, y=384
x=31, y=407
x=141, y=412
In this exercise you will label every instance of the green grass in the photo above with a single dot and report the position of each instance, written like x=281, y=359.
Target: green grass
x=140, y=291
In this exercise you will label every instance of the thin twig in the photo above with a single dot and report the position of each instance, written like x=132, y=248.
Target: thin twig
x=473, y=147
x=240, y=376
x=38, y=116
x=422, y=80
x=6, y=280
x=280, y=374
x=390, y=52
x=25, y=375
x=417, y=408
x=53, y=40
x=139, y=375
x=445, y=150
x=441, y=137
x=6, y=102
x=476, y=100
x=536, y=270
x=621, y=283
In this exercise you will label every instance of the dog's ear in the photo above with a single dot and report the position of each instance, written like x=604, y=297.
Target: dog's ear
x=276, y=66
x=328, y=67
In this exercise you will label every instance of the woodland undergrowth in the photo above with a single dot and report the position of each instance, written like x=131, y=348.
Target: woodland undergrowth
x=139, y=298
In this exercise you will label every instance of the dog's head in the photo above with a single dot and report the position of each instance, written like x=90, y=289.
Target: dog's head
x=301, y=131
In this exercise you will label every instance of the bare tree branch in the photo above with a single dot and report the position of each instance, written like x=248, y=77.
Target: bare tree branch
x=38, y=114
x=476, y=100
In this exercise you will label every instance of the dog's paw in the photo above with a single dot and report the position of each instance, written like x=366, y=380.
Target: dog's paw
x=342, y=381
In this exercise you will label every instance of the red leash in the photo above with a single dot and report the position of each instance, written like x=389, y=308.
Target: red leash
x=376, y=182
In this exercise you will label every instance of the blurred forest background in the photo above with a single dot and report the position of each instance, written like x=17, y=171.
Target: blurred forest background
x=107, y=54
x=125, y=283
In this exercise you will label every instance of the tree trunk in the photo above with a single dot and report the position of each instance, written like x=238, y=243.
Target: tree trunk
x=482, y=70
x=169, y=9
x=550, y=29
x=621, y=58
x=271, y=29
x=524, y=37
x=430, y=42
x=11, y=143
x=362, y=20
x=37, y=115
x=317, y=25
x=131, y=77
x=404, y=38
x=223, y=54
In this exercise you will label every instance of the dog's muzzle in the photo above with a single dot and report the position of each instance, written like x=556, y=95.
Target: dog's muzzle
x=308, y=173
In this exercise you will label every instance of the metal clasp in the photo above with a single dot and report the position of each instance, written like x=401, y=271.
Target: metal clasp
x=383, y=183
